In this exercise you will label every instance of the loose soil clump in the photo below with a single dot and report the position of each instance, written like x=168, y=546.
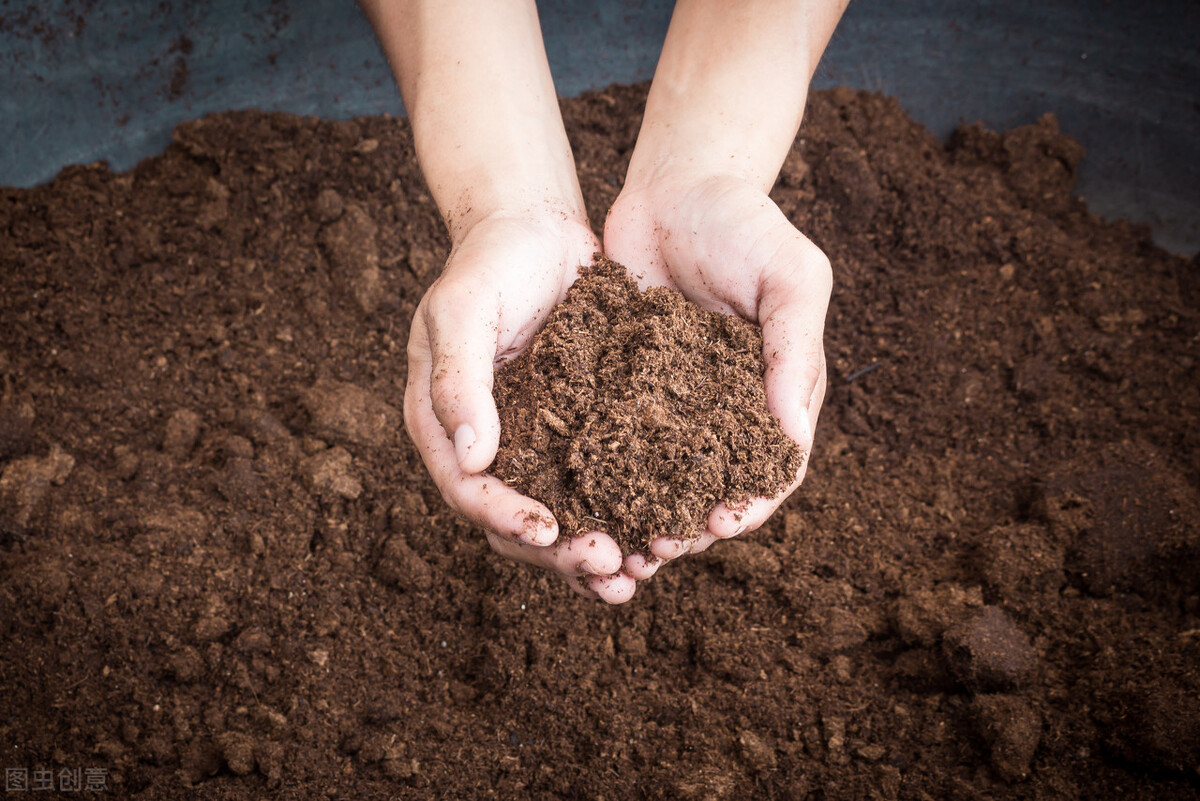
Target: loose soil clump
x=634, y=413
x=224, y=571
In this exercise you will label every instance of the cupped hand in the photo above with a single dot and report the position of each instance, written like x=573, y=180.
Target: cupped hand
x=727, y=247
x=501, y=281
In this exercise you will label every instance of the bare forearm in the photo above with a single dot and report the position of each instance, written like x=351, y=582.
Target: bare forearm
x=730, y=87
x=477, y=88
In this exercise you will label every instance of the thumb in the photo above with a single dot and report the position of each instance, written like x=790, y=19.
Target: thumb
x=463, y=326
x=792, y=307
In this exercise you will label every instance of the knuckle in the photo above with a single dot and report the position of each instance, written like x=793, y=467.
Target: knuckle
x=496, y=544
x=410, y=415
x=413, y=423
x=820, y=270
x=814, y=370
x=455, y=503
x=443, y=390
x=450, y=297
x=441, y=299
x=418, y=346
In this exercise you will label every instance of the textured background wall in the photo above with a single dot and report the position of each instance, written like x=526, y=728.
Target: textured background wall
x=82, y=80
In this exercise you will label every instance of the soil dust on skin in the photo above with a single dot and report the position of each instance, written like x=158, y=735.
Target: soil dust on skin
x=224, y=570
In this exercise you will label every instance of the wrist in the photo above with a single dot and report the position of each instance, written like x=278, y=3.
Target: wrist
x=492, y=198
x=730, y=88
x=517, y=163
x=681, y=143
x=563, y=238
x=485, y=118
x=672, y=183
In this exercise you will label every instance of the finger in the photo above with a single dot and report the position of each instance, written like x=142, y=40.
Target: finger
x=463, y=322
x=640, y=566
x=792, y=306
x=706, y=539
x=577, y=584
x=793, y=300
x=612, y=589
x=817, y=401
x=482, y=499
x=725, y=521
x=593, y=554
x=668, y=548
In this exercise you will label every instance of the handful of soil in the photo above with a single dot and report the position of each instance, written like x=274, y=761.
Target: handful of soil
x=634, y=413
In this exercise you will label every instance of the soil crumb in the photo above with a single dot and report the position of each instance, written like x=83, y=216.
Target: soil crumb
x=634, y=413
x=225, y=572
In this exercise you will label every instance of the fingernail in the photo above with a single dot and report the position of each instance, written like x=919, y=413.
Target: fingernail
x=542, y=535
x=586, y=567
x=464, y=438
x=538, y=530
x=740, y=530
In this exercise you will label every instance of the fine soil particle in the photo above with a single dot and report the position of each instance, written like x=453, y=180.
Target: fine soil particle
x=634, y=413
x=222, y=563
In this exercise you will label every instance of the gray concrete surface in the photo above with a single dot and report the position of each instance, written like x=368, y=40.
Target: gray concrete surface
x=82, y=80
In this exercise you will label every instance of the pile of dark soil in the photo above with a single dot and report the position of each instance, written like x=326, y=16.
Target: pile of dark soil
x=222, y=563
x=634, y=413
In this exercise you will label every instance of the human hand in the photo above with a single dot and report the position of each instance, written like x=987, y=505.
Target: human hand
x=726, y=246
x=502, y=279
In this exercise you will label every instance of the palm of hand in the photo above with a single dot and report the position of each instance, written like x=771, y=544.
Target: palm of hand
x=727, y=247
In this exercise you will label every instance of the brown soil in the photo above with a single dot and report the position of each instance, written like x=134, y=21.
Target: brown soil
x=222, y=564
x=634, y=413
